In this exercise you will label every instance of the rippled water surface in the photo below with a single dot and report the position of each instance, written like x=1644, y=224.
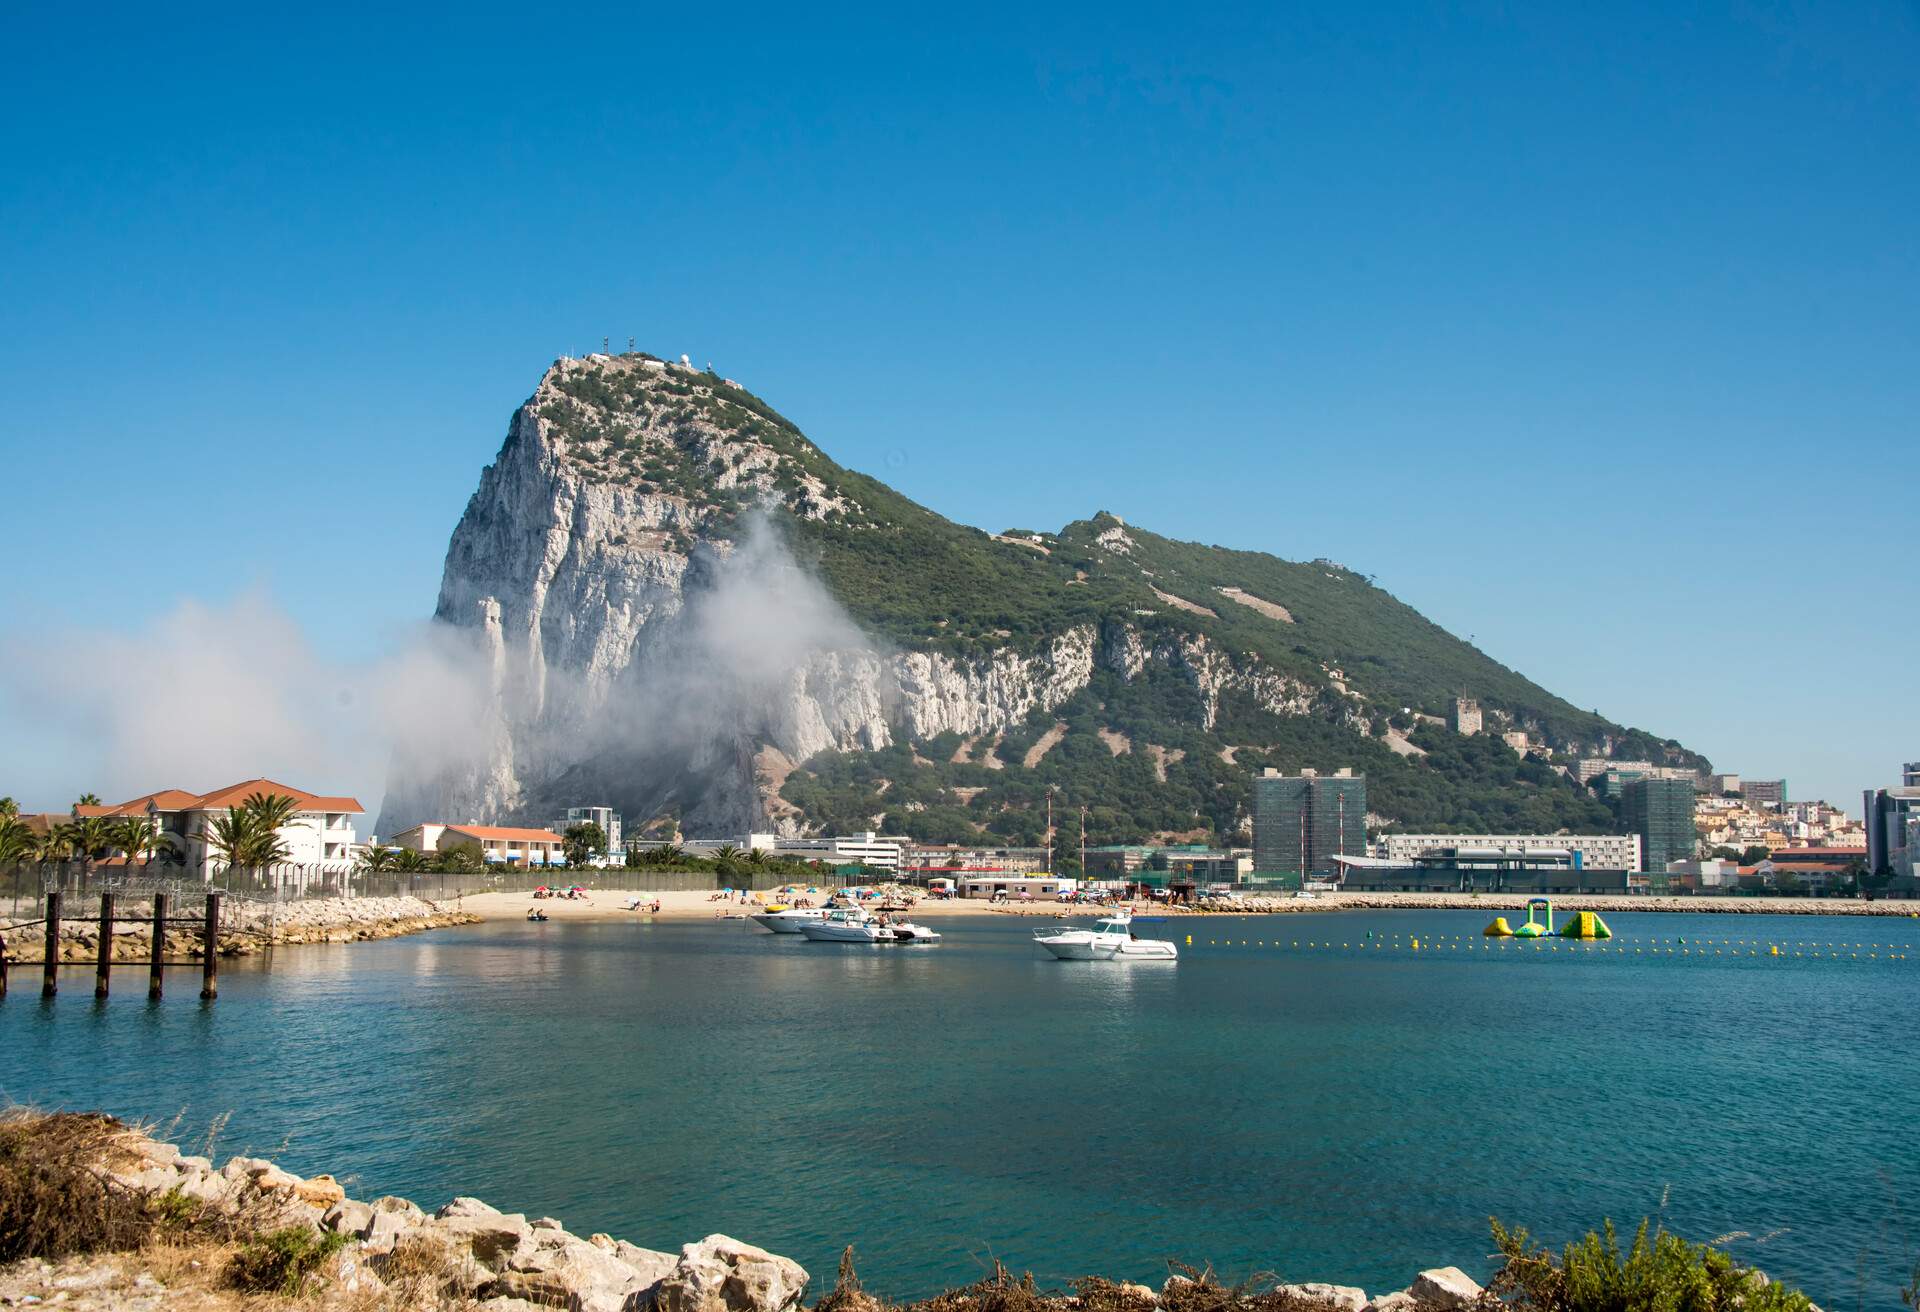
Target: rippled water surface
x=1351, y=1113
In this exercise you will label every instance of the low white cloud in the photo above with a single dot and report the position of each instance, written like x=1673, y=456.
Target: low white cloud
x=207, y=694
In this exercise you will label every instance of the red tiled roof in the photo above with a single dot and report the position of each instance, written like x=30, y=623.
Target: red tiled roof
x=500, y=835
x=235, y=794
x=178, y=799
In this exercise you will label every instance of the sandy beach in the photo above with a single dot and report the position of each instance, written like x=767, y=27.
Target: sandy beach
x=611, y=904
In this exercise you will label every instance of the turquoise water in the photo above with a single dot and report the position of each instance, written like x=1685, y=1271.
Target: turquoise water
x=1350, y=1114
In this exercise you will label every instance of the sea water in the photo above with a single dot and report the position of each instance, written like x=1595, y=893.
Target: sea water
x=1351, y=1111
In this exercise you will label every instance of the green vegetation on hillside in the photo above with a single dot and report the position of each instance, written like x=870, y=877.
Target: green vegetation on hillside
x=1360, y=663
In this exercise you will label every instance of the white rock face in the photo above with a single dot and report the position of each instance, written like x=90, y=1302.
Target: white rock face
x=622, y=650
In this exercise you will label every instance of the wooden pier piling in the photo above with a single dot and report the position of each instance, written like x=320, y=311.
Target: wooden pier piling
x=50, y=969
x=210, y=951
x=158, y=958
x=103, y=964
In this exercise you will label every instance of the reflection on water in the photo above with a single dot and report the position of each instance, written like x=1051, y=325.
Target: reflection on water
x=1351, y=1115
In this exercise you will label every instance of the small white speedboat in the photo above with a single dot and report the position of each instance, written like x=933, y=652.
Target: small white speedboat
x=1111, y=939
x=845, y=925
x=905, y=931
x=788, y=920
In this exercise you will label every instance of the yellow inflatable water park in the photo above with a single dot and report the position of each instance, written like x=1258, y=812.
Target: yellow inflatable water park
x=1584, y=925
x=1587, y=925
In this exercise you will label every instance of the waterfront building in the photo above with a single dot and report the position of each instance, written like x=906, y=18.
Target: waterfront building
x=1595, y=851
x=1467, y=719
x=987, y=886
x=1764, y=791
x=318, y=834
x=1302, y=822
x=1158, y=864
x=499, y=845
x=923, y=861
x=605, y=816
x=1478, y=870
x=867, y=849
x=1660, y=811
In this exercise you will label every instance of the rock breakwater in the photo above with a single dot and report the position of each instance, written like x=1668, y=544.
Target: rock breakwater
x=246, y=927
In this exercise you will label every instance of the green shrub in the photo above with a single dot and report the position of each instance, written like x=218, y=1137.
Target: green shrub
x=280, y=1261
x=1661, y=1272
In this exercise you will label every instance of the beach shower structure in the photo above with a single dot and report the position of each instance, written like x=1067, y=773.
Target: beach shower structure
x=1583, y=925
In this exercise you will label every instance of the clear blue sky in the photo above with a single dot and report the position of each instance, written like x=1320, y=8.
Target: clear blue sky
x=1592, y=332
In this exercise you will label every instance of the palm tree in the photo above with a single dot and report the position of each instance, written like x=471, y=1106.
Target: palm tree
x=726, y=852
x=226, y=836
x=56, y=845
x=9, y=807
x=133, y=836
x=406, y=859
x=87, y=799
x=669, y=854
x=756, y=856
x=17, y=842
x=377, y=859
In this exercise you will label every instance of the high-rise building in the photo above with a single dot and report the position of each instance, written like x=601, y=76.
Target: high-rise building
x=1661, y=812
x=604, y=816
x=1764, y=791
x=1301, y=822
x=1466, y=716
x=1890, y=813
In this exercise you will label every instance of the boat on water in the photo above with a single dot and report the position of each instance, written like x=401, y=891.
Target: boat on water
x=787, y=920
x=854, y=925
x=1110, y=939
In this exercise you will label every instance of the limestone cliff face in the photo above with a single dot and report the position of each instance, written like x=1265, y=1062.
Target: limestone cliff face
x=632, y=582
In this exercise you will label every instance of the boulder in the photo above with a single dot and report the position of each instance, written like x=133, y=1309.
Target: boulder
x=391, y=1218
x=1347, y=1298
x=720, y=1274
x=347, y=1217
x=494, y=1238
x=560, y=1270
x=321, y=1191
x=1143, y=1292
x=652, y=1265
x=1445, y=1287
x=1398, y=1301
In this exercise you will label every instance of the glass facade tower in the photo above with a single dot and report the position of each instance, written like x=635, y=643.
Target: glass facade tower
x=1301, y=822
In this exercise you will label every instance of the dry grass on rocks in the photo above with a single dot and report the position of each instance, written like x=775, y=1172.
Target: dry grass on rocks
x=51, y=1205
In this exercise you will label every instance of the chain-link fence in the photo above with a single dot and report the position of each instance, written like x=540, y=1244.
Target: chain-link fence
x=24, y=886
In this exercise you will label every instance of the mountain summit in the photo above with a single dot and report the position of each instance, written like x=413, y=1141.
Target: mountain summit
x=687, y=611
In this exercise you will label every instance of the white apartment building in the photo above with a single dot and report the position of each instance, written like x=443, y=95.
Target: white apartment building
x=499, y=845
x=1596, y=851
x=869, y=848
x=318, y=834
x=605, y=816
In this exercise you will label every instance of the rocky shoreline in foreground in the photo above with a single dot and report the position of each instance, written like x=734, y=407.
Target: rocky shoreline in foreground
x=390, y=1253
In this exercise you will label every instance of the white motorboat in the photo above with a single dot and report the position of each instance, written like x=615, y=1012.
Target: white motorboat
x=845, y=925
x=855, y=925
x=788, y=920
x=1111, y=939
